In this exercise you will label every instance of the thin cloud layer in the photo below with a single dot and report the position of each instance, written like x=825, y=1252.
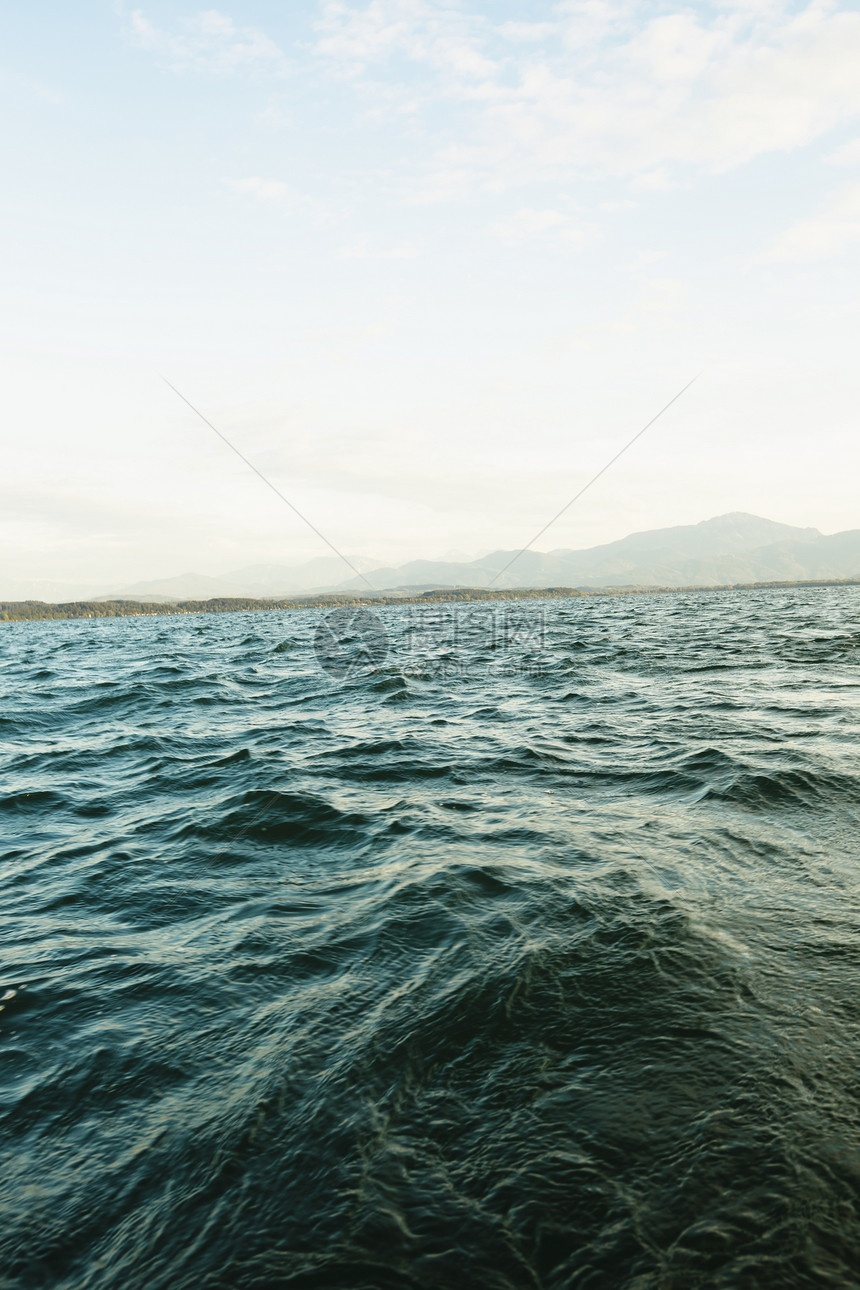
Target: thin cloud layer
x=528, y=224
x=430, y=263
x=208, y=41
x=264, y=190
x=606, y=88
x=834, y=229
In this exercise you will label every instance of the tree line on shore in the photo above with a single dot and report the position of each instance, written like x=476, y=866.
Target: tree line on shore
x=35, y=610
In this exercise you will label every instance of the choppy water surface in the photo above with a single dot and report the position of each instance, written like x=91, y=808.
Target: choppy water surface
x=500, y=963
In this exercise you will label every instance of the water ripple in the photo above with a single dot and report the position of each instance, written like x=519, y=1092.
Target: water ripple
x=519, y=968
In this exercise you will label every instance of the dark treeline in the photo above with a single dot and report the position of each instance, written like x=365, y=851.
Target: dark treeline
x=32, y=610
x=29, y=610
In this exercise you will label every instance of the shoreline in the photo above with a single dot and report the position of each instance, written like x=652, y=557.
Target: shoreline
x=12, y=611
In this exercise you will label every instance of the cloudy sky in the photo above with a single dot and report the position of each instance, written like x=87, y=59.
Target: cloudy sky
x=428, y=265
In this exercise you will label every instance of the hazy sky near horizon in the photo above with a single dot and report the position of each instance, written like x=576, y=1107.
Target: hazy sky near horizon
x=428, y=265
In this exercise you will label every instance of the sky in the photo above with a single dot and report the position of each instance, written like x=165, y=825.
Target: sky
x=428, y=266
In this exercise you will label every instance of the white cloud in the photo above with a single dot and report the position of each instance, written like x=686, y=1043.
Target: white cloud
x=361, y=251
x=833, y=230
x=438, y=35
x=527, y=32
x=265, y=190
x=209, y=41
x=32, y=88
x=607, y=87
x=527, y=223
x=847, y=155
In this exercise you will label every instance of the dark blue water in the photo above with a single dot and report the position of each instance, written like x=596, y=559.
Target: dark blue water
x=525, y=954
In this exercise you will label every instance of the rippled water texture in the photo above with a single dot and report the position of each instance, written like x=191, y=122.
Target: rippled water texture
x=499, y=963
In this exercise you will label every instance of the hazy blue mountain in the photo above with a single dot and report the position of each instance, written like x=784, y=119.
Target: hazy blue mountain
x=184, y=586
x=276, y=579
x=50, y=590
x=729, y=548
x=288, y=578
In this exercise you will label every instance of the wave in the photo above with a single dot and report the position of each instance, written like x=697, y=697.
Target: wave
x=484, y=978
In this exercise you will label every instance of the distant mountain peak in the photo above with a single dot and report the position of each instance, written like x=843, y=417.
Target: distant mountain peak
x=734, y=547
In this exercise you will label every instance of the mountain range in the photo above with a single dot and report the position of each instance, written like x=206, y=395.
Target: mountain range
x=727, y=549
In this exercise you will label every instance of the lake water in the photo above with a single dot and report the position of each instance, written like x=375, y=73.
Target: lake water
x=519, y=949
